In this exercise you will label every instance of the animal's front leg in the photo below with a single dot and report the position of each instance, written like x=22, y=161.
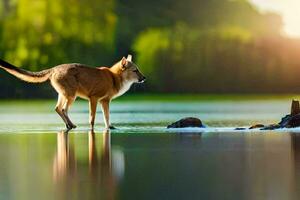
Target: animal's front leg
x=105, y=111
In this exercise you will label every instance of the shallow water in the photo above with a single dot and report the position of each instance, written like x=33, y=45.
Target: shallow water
x=38, y=116
x=144, y=160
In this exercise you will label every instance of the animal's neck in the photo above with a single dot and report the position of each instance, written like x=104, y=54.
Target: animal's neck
x=124, y=87
x=117, y=77
x=116, y=69
x=121, y=85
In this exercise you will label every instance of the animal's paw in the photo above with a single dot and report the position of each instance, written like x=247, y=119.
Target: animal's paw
x=73, y=126
x=70, y=126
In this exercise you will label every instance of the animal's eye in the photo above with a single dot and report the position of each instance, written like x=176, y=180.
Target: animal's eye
x=135, y=70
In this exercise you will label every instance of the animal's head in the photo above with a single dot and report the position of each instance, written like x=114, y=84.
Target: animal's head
x=130, y=70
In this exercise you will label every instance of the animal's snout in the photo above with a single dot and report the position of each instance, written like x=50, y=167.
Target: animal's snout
x=142, y=79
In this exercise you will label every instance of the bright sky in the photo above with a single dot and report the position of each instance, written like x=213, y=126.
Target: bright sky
x=288, y=9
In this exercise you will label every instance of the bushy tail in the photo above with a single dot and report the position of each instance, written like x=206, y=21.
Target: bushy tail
x=31, y=77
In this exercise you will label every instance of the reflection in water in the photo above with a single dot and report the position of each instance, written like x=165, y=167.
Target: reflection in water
x=101, y=170
x=100, y=177
x=64, y=162
x=166, y=166
x=295, y=138
x=269, y=167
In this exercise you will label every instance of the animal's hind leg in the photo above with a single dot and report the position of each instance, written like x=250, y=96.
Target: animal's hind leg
x=59, y=107
x=92, y=108
x=65, y=109
x=66, y=86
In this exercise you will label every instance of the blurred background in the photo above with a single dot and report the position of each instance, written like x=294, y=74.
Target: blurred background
x=191, y=46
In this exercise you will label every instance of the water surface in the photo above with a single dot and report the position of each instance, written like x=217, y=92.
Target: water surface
x=144, y=160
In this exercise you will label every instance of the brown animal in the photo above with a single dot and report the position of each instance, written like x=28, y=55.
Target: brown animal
x=101, y=84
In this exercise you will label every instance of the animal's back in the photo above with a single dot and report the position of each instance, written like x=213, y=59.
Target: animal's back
x=97, y=82
x=82, y=80
x=67, y=69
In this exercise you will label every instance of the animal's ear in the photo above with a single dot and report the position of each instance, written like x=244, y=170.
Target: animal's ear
x=129, y=57
x=124, y=62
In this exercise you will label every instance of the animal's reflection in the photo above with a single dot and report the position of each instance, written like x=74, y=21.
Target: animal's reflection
x=101, y=169
x=68, y=166
x=64, y=161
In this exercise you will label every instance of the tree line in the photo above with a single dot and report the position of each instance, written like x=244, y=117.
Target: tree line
x=192, y=46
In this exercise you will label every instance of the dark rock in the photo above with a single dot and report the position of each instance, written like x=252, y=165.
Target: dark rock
x=285, y=121
x=289, y=121
x=240, y=129
x=257, y=126
x=293, y=121
x=295, y=108
x=187, y=122
x=271, y=127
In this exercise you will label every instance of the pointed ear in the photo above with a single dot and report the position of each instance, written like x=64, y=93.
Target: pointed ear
x=124, y=62
x=129, y=57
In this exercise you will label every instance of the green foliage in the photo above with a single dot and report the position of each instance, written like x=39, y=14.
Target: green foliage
x=147, y=46
x=177, y=58
x=181, y=46
x=221, y=59
x=39, y=33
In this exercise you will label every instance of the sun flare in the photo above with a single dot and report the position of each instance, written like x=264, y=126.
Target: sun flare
x=288, y=9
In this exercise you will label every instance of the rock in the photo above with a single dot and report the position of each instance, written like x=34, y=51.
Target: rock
x=285, y=121
x=257, y=126
x=271, y=127
x=295, y=108
x=187, y=122
x=240, y=129
x=290, y=121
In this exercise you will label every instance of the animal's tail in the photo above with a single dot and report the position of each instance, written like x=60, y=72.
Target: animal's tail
x=31, y=77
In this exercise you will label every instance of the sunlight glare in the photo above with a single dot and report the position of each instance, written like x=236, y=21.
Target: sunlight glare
x=288, y=9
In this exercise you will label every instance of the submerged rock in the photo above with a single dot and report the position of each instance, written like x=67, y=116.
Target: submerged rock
x=187, y=122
